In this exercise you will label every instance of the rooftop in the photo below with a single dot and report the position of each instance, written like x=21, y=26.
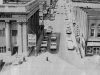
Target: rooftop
x=87, y=1
x=21, y=6
x=91, y=12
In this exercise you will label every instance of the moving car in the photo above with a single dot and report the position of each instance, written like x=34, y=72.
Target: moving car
x=49, y=30
x=70, y=44
x=68, y=31
x=66, y=17
x=52, y=18
x=53, y=46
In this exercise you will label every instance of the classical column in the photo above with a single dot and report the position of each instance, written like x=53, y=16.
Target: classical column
x=19, y=38
x=7, y=36
x=24, y=30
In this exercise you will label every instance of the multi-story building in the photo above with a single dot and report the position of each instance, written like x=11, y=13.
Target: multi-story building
x=17, y=21
x=93, y=31
x=87, y=28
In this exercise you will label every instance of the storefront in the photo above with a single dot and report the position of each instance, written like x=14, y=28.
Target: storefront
x=92, y=48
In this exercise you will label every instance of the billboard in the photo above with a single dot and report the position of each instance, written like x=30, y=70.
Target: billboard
x=31, y=40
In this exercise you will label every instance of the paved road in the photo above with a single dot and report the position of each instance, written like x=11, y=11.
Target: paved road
x=57, y=41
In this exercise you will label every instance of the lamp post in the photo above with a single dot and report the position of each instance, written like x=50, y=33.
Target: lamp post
x=35, y=51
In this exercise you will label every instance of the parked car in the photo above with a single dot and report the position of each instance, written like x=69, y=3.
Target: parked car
x=53, y=46
x=70, y=44
x=42, y=49
x=52, y=18
x=49, y=30
x=44, y=44
x=46, y=38
x=53, y=38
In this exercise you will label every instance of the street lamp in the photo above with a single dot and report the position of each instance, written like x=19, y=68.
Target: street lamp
x=35, y=51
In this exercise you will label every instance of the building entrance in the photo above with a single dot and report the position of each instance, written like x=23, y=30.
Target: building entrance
x=92, y=50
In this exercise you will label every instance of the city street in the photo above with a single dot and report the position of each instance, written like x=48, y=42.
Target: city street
x=73, y=57
x=61, y=61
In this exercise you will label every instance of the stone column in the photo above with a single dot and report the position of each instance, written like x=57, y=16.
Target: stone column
x=7, y=36
x=24, y=29
x=19, y=38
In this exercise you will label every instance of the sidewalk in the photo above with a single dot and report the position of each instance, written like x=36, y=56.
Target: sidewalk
x=37, y=46
x=53, y=66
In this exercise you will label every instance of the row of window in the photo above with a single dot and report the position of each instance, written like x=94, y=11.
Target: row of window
x=2, y=32
x=95, y=28
x=93, y=32
x=2, y=49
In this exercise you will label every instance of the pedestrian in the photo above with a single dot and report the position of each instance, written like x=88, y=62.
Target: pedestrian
x=47, y=59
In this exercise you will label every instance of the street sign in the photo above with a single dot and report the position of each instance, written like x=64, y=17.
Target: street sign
x=31, y=40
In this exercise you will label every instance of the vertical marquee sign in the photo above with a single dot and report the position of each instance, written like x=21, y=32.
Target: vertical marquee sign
x=31, y=40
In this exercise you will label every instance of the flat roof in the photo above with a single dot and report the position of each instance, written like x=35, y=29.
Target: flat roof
x=91, y=12
x=19, y=7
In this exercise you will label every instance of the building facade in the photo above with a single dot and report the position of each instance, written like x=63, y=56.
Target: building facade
x=87, y=29
x=16, y=22
x=93, y=37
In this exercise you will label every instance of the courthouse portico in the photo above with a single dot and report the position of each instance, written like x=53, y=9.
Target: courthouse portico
x=16, y=22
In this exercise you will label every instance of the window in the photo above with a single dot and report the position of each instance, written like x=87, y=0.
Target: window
x=99, y=26
x=92, y=32
x=92, y=29
x=98, y=31
x=98, y=34
x=93, y=25
x=14, y=32
x=2, y=32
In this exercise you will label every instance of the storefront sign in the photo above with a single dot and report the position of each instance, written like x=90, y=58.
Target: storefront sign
x=31, y=40
x=93, y=43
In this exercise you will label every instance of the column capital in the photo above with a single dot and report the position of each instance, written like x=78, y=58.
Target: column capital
x=25, y=23
x=6, y=21
x=23, y=20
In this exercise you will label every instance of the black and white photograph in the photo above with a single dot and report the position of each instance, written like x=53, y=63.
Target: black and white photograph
x=49, y=37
